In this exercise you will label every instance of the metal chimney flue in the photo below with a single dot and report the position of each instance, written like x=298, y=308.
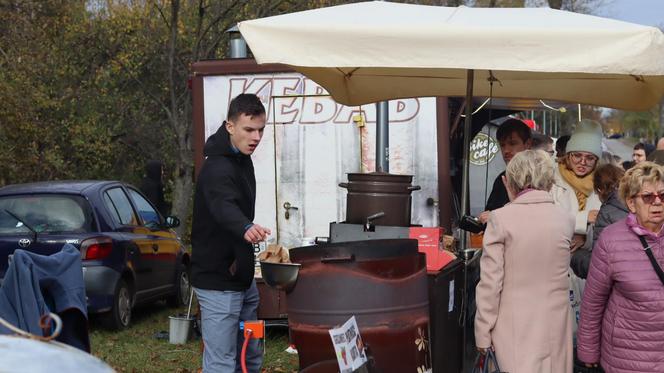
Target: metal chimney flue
x=382, y=137
x=237, y=47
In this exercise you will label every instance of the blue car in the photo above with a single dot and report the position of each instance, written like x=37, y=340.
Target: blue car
x=129, y=251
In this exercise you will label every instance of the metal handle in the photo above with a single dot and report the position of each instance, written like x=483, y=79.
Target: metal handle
x=338, y=259
x=367, y=226
x=343, y=185
x=414, y=187
x=321, y=240
x=375, y=216
x=288, y=207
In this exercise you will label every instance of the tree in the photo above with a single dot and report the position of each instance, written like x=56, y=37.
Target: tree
x=641, y=124
x=578, y=6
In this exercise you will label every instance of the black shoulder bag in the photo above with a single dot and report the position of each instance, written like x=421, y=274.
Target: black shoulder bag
x=653, y=261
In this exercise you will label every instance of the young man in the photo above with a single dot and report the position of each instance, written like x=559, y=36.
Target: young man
x=639, y=153
x=223, y=234
x=514, y=136
x=543, y=142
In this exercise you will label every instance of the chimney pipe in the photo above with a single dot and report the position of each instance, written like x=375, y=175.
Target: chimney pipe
x=237, y=47
x=382, y=137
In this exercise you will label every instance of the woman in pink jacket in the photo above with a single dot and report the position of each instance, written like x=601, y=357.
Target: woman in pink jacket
x=523, y=308
x=622, y=312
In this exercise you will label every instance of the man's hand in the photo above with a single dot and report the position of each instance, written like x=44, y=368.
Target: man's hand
x=592, y=216
x=577, y=241
x=510, y=193
x=484, y=216
x=256, y=234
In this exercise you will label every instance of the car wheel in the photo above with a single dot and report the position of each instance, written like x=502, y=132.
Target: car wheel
x=182, y=287
x=120, y=315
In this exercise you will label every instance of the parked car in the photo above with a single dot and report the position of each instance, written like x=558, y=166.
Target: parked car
x=129, y=251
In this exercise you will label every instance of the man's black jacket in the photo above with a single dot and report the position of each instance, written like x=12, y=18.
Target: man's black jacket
x=223, y=209
x=498, y=197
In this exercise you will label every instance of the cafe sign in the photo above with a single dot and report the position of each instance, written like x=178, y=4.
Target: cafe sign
x=483, y=149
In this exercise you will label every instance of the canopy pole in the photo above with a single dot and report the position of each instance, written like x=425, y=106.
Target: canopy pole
x=382, y=136
x=467, y=130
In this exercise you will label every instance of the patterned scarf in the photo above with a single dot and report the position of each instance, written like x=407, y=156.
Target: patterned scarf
x=582, y=186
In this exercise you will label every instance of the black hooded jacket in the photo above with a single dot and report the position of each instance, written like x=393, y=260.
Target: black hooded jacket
x=153, y=188
x=224, y=204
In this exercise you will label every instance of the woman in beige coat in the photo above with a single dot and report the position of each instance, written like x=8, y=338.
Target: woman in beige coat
x=523, y=310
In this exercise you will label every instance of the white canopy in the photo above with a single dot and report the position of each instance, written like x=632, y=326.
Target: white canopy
x=373, y=51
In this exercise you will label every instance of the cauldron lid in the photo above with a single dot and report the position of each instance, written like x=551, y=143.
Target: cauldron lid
x=380, y=177
x=360, y=250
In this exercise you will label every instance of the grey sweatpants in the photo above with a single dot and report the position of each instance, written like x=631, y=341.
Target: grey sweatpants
x=221, y=313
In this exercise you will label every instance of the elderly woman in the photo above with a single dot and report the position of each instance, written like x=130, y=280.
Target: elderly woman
x=523, y=310
x=622, y=313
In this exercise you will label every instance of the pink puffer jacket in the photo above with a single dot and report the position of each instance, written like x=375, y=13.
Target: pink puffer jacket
x=622, y=312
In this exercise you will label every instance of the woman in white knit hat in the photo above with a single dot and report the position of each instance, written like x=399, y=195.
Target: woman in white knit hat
x=573, y=190
x=573, y=184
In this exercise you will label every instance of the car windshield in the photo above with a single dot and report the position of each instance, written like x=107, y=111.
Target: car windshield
x=45, y=213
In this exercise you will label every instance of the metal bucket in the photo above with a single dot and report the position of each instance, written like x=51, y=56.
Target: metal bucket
x=179, y=329
x=381, y=282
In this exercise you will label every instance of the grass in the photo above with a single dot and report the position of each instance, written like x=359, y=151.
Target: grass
x=137, y=350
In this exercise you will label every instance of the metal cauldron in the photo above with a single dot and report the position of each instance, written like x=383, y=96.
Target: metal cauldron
x=376, y=192
x=382, y=283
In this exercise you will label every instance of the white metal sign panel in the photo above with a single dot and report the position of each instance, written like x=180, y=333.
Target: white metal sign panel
x=311, y=142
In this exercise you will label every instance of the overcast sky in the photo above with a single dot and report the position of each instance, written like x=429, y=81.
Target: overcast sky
x=646, y=12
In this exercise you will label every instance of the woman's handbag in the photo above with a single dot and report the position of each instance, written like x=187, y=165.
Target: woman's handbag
x=487, y=363
x=580, y=367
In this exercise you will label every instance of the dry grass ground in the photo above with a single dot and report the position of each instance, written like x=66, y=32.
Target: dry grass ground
x=137, y=350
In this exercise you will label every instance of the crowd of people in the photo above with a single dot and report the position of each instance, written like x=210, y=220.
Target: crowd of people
x=571, y=274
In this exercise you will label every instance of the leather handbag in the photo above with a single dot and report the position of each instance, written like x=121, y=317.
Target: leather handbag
x=580, y=367
x=487, y=363
x=471, y=224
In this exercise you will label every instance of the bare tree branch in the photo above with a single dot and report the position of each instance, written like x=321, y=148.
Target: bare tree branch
x=215, y=43
x=163, y=16
x=555, y=4
x=144, y=88
x=175, y=12
x=212, y=24
x=199, y=26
